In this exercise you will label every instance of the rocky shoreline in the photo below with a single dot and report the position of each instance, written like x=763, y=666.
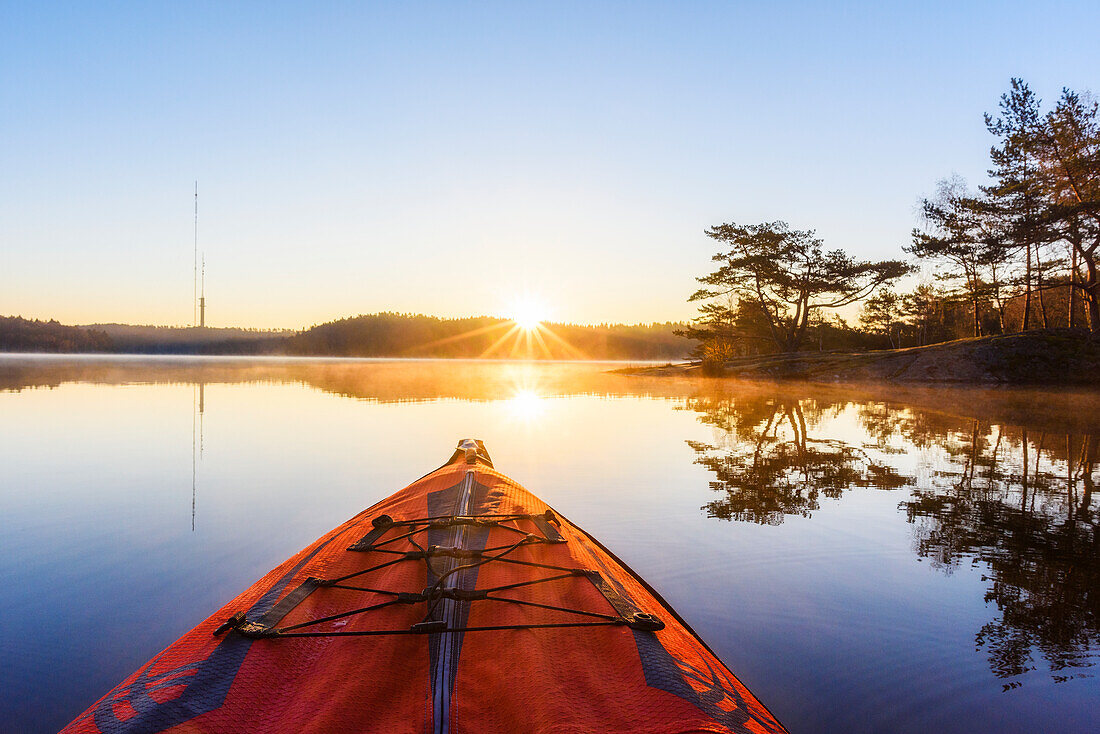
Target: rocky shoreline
x=1046, y=357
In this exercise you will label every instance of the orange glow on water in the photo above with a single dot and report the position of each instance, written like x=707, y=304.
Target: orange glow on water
x=526, y=405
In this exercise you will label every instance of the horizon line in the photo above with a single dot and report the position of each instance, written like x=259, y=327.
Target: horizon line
x=406, y=314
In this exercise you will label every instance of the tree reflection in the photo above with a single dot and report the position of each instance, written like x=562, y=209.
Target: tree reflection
x=1027, y=517
x=1018, y=503
x=768, y=466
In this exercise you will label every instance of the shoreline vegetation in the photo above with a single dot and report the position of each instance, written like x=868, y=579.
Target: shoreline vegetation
x=1038, y=357
x=372, y=335
x=1008, y=288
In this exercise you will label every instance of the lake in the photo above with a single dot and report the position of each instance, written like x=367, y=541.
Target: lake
x=881, y=560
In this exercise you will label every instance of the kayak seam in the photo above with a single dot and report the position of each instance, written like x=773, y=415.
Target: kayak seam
x=441, y=698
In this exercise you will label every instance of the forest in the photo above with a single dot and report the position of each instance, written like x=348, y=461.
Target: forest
x=25, y=335
x=1019, y=252
x=372, y=335
x=414, y=335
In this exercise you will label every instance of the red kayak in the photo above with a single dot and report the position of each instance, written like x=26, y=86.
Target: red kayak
x=460, y=604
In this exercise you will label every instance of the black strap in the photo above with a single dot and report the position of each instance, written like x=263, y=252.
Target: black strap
x=264, y=626
x=635, y=617
x=367, y=541
x=542, y=522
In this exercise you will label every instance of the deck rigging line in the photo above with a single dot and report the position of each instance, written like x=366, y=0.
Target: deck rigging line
x=451, y=571
x=438, y=594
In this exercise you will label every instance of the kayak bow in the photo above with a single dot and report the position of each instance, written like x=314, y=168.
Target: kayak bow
x=462, y=603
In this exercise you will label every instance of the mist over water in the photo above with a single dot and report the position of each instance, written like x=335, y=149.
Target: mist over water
x=890, y=559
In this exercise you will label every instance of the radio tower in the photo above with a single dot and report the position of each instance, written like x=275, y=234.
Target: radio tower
x=202, y=294
x=195, y=285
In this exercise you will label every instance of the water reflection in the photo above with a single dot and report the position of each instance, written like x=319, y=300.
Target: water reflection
x=883, y=536
x=768, y=464
x=1017, y=503
x=198, y=409
x=1021, y=505
x=398, y=381
x=526, y=405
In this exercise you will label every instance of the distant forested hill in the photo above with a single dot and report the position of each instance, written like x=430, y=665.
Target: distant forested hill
x=24, y=335
x=131, y=339
x=374, y=335
x=414, y=335
x=21, y=335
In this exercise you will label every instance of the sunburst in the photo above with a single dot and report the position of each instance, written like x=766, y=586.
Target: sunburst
x=528, y=313
x=526, y=334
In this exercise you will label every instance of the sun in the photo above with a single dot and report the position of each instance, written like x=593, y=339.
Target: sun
x=528, y=314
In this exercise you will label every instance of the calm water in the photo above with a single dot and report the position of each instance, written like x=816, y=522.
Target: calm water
x=893, y=561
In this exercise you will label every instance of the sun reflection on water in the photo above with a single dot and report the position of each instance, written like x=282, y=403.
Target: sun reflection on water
x=526, y=405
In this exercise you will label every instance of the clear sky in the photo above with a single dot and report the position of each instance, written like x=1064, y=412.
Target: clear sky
x=451, y=158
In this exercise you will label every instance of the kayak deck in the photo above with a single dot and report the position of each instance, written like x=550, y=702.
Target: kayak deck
x=462, y=603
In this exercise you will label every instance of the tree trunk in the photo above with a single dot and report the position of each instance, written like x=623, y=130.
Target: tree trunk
x=798, y=328
x=1027, y=291
x=1071, y=297
x=1092, y=294
x=1094, y=309
x=1039, y=282
x=998, y=301
x=977, y=318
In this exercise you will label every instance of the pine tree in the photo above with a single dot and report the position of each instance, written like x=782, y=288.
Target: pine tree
x=1068, y=149
x=1014, y=198
x=784, y=275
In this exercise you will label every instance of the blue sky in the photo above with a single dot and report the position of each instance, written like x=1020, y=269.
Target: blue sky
x=453, y=158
